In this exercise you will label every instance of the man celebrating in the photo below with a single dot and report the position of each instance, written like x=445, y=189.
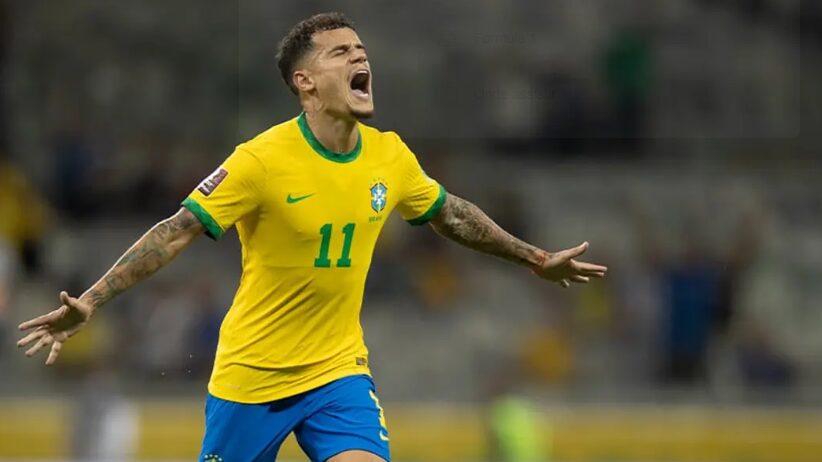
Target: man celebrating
x=309, y=198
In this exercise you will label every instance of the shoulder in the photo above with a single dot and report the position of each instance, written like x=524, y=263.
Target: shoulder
x=273, y=144
x=388, y=142
x=376, y=135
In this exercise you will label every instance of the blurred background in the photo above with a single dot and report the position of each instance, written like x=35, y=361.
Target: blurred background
x=681, y=138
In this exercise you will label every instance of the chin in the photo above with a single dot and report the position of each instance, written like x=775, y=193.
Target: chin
x=362, y=114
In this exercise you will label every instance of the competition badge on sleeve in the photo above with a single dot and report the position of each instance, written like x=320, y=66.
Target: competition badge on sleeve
x=210, y=184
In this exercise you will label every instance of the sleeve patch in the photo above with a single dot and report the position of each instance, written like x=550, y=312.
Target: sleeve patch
x=210, y=184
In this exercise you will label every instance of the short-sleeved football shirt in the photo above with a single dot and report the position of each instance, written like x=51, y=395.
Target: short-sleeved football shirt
x=308, y=220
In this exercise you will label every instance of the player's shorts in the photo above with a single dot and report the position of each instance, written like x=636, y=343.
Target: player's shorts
x=340, y=416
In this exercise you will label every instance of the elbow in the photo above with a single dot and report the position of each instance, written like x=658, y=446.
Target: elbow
x=447, y=227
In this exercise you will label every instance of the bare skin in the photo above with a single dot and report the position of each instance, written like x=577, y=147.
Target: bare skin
x=356, y=456
x=157, y=248
x=464, y=222
x=324, y=81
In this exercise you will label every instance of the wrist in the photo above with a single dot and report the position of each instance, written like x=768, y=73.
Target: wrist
x=91, y=299
x=537, y=259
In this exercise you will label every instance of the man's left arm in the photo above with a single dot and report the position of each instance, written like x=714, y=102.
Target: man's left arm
x=463, y=222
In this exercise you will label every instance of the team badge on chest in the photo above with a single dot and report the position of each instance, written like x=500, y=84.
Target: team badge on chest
x=378, y=197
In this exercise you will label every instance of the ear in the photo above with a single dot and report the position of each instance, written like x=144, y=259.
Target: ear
x=303, y=81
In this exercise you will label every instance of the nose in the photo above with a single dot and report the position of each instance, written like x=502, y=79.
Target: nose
x=359, y=57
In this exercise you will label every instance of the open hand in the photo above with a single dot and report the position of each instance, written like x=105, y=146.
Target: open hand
x=562, y=268
x=56, y=327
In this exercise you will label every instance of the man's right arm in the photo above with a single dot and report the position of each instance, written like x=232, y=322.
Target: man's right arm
x=157, y=248
x=154, y=250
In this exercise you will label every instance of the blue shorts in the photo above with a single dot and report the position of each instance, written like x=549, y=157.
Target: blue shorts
x=340, y=416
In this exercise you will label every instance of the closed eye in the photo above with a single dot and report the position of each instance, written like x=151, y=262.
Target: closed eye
x=339, y=50
x=343, y=49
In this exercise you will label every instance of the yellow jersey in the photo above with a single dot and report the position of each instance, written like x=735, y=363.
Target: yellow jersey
x=308, y=220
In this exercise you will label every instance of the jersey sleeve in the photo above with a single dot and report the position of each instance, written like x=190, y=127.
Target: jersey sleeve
x=422, y=196
x=231, y=192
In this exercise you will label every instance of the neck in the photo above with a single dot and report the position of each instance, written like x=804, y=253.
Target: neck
x=335, y=134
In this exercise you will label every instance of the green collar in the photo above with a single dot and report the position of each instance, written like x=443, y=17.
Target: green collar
x=341, y=157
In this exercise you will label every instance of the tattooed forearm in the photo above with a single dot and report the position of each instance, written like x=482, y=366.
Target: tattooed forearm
x=464, y=222
x=155, y=249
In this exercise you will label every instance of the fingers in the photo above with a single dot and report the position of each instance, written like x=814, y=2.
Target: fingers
x=590, y=267
x=580, y=279
x=574, y=252
x=590, y=274
x=44, y=341
x=55, y=351
x=68, y=300
x=41, y=331
x=53, y=316
x=565, y=283
x=43, y=320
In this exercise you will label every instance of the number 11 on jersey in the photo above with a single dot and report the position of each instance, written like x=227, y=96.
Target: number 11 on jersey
x=322, y=261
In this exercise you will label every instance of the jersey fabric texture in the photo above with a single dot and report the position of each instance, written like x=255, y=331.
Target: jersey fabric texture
x=308, y=220
x=340, y=416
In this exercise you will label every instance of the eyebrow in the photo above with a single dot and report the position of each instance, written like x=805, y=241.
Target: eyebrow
x=346, y=47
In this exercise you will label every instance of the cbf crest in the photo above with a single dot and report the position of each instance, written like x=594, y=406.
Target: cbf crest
x=378, y=196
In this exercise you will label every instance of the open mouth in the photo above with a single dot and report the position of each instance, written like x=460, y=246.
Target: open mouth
x=360, y=84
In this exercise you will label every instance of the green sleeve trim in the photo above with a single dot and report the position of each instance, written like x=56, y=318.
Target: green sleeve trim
x=433, y=211
x=213, y=229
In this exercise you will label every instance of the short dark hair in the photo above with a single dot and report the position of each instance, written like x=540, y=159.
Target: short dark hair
x=298, y=41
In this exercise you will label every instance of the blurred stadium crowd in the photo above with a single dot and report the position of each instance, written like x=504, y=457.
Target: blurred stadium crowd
x=672, y=135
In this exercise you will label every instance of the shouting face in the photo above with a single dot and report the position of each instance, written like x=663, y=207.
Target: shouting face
x=336, y=74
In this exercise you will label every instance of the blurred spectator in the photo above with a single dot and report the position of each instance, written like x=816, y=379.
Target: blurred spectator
x=691, y=289
x=24, y=215
x=627, y=72
x=546, y=355
x=512, y=423
x=76, y=186
x=698, y=293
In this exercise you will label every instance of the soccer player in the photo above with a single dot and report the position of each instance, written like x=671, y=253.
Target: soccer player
x=308, y=198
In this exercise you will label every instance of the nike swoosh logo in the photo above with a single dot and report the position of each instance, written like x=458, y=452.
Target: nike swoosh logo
x=383, y=437
x=292, y=200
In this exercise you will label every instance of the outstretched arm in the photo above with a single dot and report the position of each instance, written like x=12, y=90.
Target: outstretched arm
x=464, y=222
x=158, y=247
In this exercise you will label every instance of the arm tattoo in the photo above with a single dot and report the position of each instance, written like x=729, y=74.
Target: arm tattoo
x=155, y=249
x=464, y=222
